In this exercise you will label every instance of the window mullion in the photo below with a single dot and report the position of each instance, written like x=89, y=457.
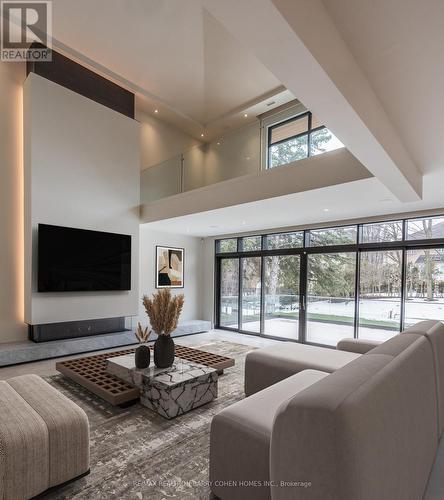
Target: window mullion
x=309, y=135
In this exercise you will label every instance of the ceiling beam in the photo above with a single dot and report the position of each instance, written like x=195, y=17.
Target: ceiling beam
x=300, y=44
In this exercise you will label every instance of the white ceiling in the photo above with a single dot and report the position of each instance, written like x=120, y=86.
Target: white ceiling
x=353, y=200
x=180, y=59
x=399, y=45
x=173, y=53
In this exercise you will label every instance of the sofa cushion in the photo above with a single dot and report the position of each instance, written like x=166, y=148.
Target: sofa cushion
x=24, y=450
x=267, y=366
x=434, y=332
x=395, y=345
x=67, y=425
x=240, y=439
x=366, y=431
x=359, y=346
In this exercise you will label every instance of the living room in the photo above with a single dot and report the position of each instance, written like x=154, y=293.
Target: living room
x=222, y=254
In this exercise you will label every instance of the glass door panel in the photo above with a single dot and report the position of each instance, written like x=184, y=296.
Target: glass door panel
x=251, y=294
x=330, y=297
x=380, y=294
x=424, y=285
x=229, y=293
x=281, y=290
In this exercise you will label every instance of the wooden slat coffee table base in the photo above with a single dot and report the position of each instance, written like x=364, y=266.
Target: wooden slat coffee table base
x=90, y=372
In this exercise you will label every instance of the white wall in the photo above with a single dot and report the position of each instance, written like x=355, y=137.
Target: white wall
x=193, y=271
x=161, y=149
x=235, y=154
x=82, y=169
x=12, y=326
x=160, y=141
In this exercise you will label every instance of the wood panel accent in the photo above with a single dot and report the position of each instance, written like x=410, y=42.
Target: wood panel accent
x=77, y=78
x=90, y=372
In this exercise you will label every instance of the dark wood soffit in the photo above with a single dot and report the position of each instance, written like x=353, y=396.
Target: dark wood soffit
x=77, y=78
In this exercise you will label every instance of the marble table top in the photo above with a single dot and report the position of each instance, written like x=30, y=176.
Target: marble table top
x=182, y=371
x=168, y=391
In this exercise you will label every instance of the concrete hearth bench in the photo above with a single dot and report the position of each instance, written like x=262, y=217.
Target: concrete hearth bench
x=189, y=328
x=44, y=438
x=26, y=351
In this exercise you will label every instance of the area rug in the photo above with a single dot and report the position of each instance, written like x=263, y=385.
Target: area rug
x=137, y=454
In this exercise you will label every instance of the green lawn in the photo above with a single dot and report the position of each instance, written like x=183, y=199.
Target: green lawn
x=341, y=320
x=321, y=318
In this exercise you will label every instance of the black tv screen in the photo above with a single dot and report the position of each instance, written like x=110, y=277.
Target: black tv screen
x=79, y=260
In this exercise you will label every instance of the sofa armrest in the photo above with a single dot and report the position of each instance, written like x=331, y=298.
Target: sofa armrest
x=359, y=346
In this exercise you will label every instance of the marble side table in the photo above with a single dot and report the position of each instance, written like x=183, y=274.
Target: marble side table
x=168, y=391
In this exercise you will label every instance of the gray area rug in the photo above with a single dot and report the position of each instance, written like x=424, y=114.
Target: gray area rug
x=136, y=453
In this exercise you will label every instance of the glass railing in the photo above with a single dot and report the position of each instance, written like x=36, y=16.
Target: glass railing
x=161, y=180
x=237, y=153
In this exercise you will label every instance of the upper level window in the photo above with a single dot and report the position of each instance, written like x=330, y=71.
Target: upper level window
x=424, y=229
x=250, y=243
x=285, y=240
x=333, y=236
x=229, y=245
x=381, y=232
x=297, y=138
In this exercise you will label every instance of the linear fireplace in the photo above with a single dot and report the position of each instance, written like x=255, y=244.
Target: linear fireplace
x=75, y=329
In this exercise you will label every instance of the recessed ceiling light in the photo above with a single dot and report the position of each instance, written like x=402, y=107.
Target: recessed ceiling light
x=245, y=115
x=326, y=210
x=156, y=111
x=248, y=158
x=202, y=135
x=218, y=143
x=244, y=222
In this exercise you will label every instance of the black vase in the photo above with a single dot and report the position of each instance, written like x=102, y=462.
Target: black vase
x=163, y=351
x=142, y=357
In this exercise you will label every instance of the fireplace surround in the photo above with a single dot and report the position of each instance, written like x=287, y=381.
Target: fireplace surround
x=75, y=329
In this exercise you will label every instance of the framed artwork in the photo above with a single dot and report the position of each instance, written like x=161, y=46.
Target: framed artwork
x=169, y=267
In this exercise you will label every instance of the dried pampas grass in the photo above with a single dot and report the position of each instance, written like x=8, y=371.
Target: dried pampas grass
x=163, y=310
x=142, y=334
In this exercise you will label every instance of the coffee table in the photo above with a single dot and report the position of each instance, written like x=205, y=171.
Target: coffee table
x=90, y=372
x=168, y=391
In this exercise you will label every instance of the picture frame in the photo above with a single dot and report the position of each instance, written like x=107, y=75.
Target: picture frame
x=170, y=266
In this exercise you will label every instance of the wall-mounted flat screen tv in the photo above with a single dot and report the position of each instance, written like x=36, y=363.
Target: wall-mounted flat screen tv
x=79, y=260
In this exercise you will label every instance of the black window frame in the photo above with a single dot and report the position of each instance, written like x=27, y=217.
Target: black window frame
x=403, y=244
x=308, y=133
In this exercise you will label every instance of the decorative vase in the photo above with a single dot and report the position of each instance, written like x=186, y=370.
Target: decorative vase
x=142, y=357
x=164, y=351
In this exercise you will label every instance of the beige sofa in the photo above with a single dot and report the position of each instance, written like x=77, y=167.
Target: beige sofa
x=44, y=438
x=364, y=427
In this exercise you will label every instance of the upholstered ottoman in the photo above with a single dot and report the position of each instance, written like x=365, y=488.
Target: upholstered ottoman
x=44, y=438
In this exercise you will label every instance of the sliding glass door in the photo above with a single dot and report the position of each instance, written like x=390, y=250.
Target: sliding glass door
x=229, y=293
x=320, y=285
x=424, y=285
x=251, y=294
x=281, y=301
x=380, y=281
x=330, y=297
